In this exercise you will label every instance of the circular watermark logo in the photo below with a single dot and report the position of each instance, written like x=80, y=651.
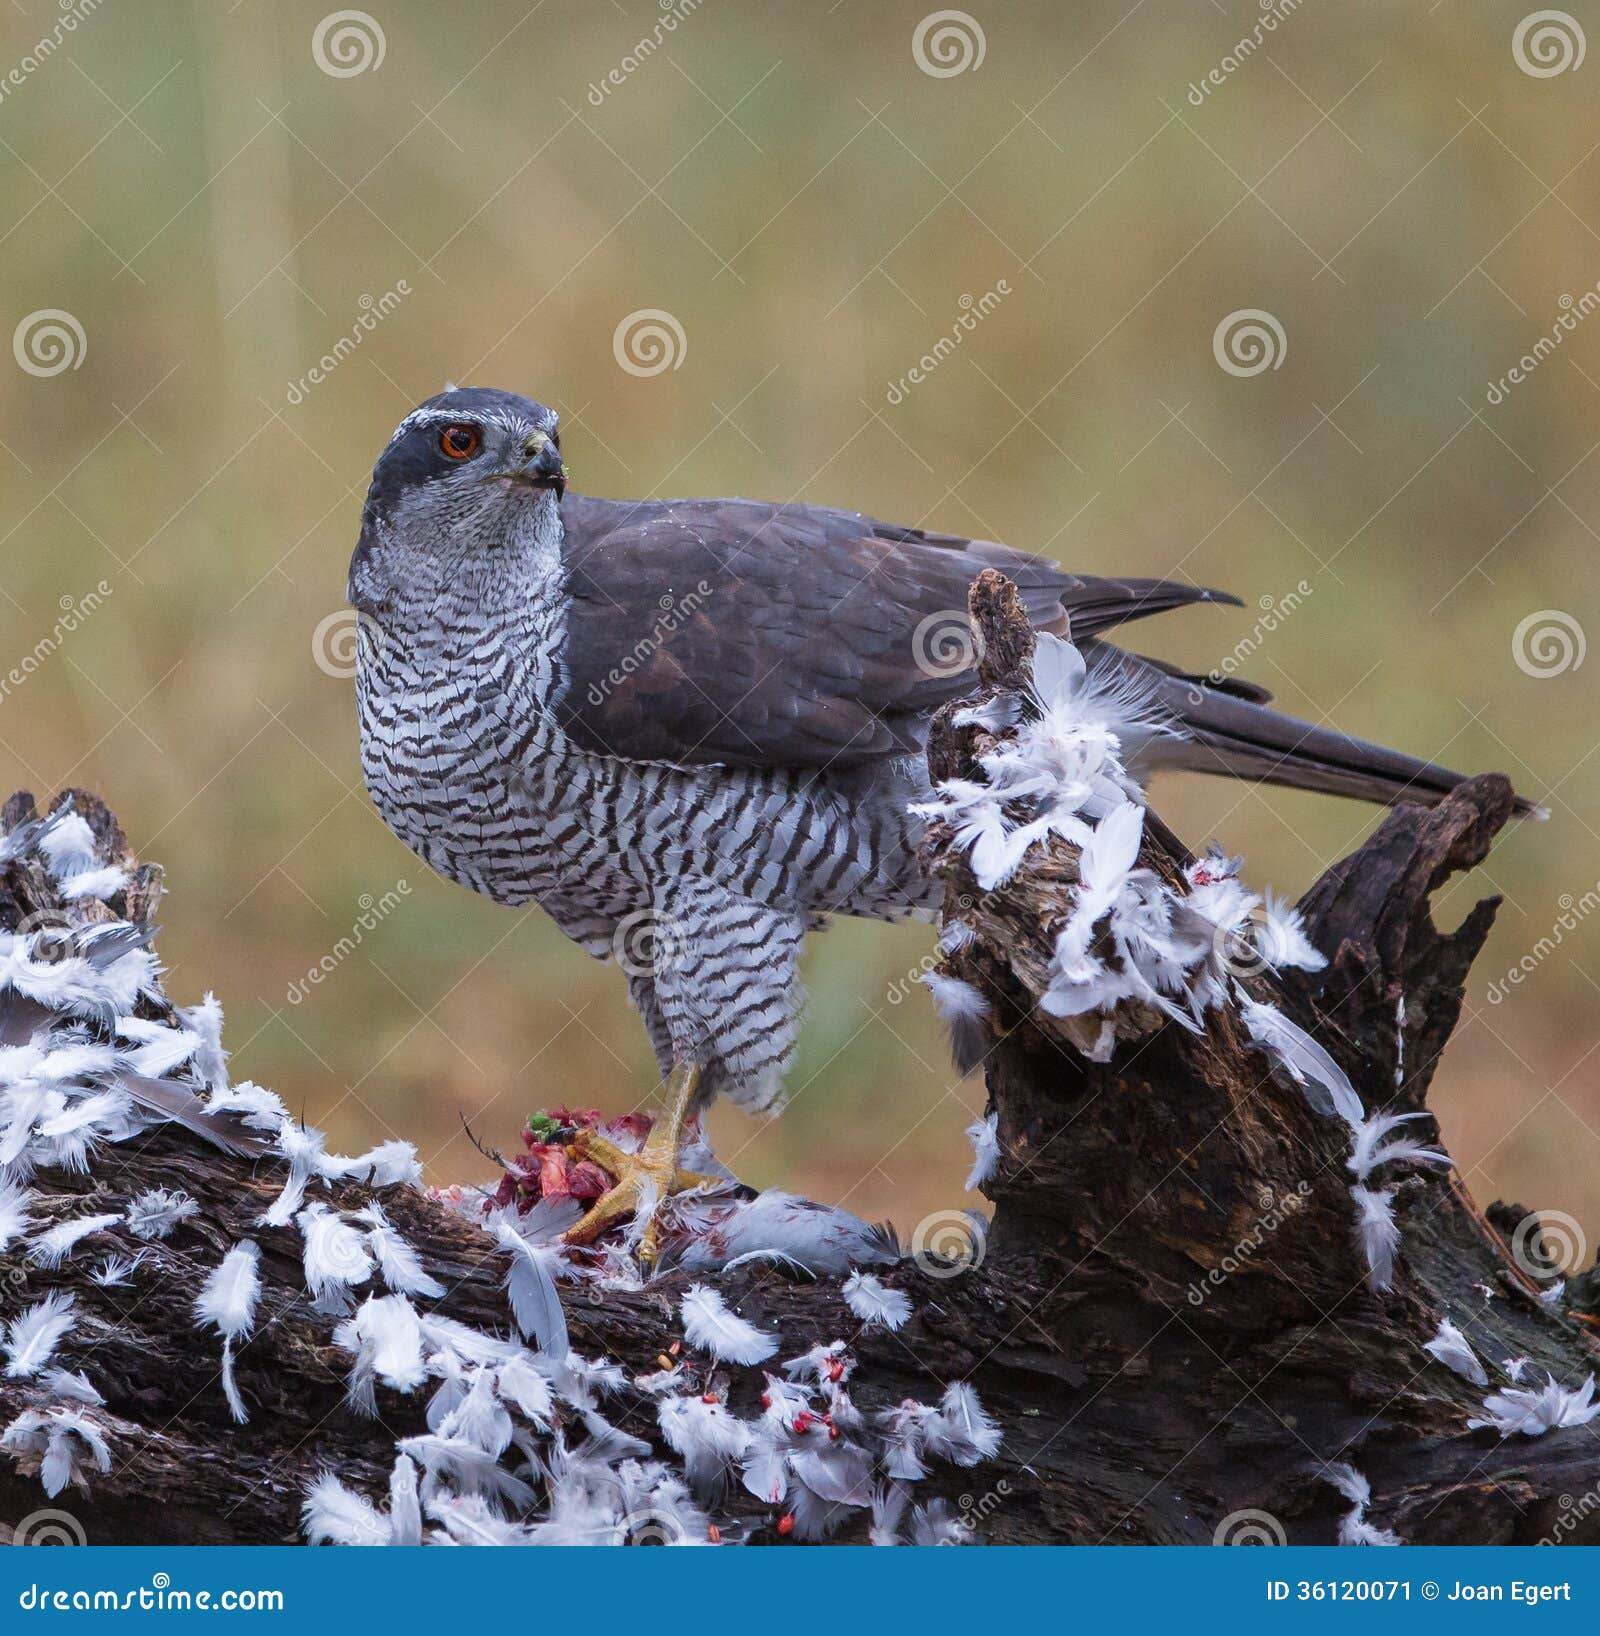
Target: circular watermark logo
x=1547, y=43
x=347, y=43
x=52, y=936
x=49, y=1527
x=1548, y=1244
x=650, y=1527
x=946, y=643
x=649, y=342
x=49, y=342
x=1249, y=341
x=1548, y=643
x=947, y=43
x=344, y=640
x=1249, y=1527
x=945, y=1246
x=647, y=943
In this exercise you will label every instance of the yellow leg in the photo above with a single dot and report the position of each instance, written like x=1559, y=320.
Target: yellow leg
x=645, y=1178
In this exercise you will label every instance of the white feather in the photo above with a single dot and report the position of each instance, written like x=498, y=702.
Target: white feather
x=32, y=1336
x=387, y=1165
x=51, y=1248
x=710, y=1325
x=385, y=1338
x=117, y=1271
x=334, y=1256
x=72, y=1384
x=1369, y=1150
x=1300, y=1056
x=520, y=1383
x=230, y=1386
x=334, y=1515
x=66, y=843
x=399, y=1263
x=1377, y=1234
x=531, y=1289
x=955, y=999
x=1280, y=938
x=154, y=1214
x=210, y=1060
x=889, y=1502
x=14, y=1216
x=227, y=1301
x=1453, y=1350
x=60, y=1444
x=405, y=1512
x=962, y=1431
x=1535, y=1410
x=873, y=1302
x=984, y=1134
x=468, y=1467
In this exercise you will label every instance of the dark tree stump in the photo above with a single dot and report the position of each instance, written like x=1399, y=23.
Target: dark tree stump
x=1170, y=1319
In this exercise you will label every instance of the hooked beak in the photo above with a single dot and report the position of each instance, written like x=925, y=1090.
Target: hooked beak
x=541, y=466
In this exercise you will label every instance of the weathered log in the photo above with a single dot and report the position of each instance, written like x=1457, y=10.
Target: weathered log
x=1170, y=1319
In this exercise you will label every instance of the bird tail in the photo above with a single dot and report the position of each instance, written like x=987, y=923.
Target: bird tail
x=1229, y=730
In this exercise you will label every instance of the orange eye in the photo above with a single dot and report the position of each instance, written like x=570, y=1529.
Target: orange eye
x=458, y=442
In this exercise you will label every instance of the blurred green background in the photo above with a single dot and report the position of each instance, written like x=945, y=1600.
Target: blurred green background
x=815, y=210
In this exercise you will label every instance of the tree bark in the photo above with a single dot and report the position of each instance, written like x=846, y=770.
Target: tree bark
x=1170, y=1317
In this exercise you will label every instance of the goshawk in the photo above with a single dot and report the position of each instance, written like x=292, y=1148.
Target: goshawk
x=704, y=720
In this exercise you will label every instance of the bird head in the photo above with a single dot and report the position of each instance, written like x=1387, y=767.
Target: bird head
x=468, y=477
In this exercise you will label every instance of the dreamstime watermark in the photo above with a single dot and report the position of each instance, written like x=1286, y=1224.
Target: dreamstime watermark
x=338, y=641
x=946, y=643
x=1548, y=1244
x=1547, y=43
x=1573, y=313
x=1574, y=911
x=674, y=611
x=647, y=943
x=978, y=1508
x=1249, y=341
x=74, y=611
x=944, y=1245
x=157, y=1596
x=347, y=43
x=673, y=12
x=1249, y=1527
x=1275, y=610
x=371, y=315
x=49, y=1527
x=47, y=45
x=947, y=43
x=1575, y=1511
x=1549, y=642
x=1245, y=47
x=973, y=311
x=49, y=342
x=374, y=911
x=649, y=341
x=1276, y=1209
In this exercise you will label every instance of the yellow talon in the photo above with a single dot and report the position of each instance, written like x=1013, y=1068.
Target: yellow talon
x=643, y=1179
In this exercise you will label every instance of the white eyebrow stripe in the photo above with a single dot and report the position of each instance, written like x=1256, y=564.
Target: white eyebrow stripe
x=486, y=417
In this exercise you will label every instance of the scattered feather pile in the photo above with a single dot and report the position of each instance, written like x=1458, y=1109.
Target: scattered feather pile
x=526, y=1441
x=59, y=1445
x=1134, y=949
x=1534, y=1410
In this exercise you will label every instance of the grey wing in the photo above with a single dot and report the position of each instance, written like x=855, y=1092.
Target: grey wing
x=730, y=631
